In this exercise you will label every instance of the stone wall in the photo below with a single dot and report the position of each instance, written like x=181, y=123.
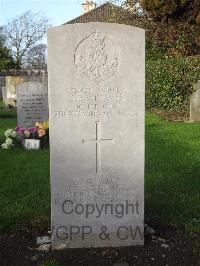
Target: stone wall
x=26, y=74
x=23, y=72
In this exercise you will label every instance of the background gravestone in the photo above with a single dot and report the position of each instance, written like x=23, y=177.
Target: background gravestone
x=39, y=78
x=32, y=103
x=2, y=84
x=11, y=83
x=96, y=95
x=12, y=78
x=195, y=104
x=8, y=102
x=4, y=95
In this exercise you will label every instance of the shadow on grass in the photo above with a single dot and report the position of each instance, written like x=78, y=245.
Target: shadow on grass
x=8, y=113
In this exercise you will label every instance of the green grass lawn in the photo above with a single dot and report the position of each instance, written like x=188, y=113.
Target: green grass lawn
x=172, y=181
x=6, y=113
x=173, y=172
x=24, y=185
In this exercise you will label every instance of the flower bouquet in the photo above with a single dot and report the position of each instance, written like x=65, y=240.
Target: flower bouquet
x=30, y=138
x=11, y=139
x=43, y=133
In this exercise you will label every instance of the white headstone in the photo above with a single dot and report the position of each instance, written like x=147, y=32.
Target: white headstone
x=96, y=95
x=32, y=103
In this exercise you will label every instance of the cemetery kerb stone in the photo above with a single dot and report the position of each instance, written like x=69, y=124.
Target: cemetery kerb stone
x=195, y=104
x=97, y=104
x=32, y=103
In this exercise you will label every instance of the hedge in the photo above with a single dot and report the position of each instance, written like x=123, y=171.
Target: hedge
x=169, y=82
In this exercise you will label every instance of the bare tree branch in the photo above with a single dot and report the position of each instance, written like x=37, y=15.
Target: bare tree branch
x=24, y=32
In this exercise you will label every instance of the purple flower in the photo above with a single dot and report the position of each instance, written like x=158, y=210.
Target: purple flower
x=32, y=129
x=20, y=130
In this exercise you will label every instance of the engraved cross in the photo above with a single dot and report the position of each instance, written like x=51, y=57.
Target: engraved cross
x=98, y=142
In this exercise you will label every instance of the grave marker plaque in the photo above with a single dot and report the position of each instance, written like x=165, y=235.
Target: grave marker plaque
x=32, y=103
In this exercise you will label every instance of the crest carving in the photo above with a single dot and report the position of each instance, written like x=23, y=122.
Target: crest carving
x=96, y=57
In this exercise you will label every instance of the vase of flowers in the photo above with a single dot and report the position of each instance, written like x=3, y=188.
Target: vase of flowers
x=31, y=138
x=31, y=144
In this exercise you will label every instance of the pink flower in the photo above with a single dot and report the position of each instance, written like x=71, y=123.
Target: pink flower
x=22, y=130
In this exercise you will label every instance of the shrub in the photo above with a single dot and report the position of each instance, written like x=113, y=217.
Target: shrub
x=174, y=40
x=169, y=82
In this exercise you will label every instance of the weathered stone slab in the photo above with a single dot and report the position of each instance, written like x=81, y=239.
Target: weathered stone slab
x=96, y=95
x=2, y=84
x=4, y=94
x=8, y=102
x=32, y=103
x=195, y=104
x=12, y=82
